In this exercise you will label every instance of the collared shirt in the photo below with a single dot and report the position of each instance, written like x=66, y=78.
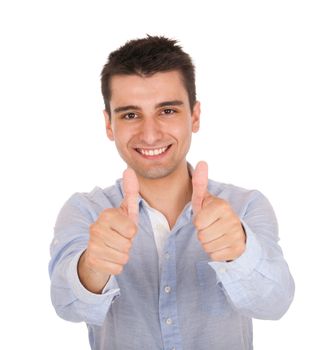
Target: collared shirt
x=178, y=299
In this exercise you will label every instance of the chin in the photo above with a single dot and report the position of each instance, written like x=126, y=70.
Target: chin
x=154, y=173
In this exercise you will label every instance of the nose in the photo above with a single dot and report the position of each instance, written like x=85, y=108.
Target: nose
x=150, y=132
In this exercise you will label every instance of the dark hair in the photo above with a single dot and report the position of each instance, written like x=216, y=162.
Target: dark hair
x=145, y=57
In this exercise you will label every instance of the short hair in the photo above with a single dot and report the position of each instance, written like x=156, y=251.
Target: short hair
x=145, y=57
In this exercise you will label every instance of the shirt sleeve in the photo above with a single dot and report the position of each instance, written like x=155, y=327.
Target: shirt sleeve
x=258, y=283
x=71, y=300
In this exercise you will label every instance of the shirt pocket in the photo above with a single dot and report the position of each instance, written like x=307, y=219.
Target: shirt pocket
x=213, y=298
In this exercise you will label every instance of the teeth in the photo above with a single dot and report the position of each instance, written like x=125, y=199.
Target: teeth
x=152, y=152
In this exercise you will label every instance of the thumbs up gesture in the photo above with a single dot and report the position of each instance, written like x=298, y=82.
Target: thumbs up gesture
x=111, y=238
x=219, y=229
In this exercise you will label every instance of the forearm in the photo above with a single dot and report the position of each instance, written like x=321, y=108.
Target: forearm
x=70, y=293
x=72, y=301
x=259, y=283
x=260, y=297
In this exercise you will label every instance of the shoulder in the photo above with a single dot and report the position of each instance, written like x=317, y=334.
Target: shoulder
x=240, y=198
x=96, y=200
x=230, y=191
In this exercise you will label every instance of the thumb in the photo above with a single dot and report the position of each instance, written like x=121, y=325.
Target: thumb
x=200, y=183
x=131, y=189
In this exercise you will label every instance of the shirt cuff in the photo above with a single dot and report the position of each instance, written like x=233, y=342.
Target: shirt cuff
x=111, y=289
x=243, y=266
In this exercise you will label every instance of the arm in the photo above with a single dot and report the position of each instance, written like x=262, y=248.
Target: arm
x=244, y=250
x=87, y=251
x=258, y=283
x=71, y=300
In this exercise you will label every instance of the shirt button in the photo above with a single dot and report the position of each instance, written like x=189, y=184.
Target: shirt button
x=166, y=256
x=169, y=321
x=222, y=270
x=167, y=289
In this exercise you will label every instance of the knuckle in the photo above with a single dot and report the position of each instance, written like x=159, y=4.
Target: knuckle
x=223, y=204
x=109, y=211
x=92, y=227
x=131, y=228
x=206, y=247
x=234, y=220
x=125, y=259
x=197, y=222
x=127, y=245
x=92, y=247
x=215, y=256
x=200, y=236
x=102, y=216
x=94, y=230
x=117, y=269
x=107, y=214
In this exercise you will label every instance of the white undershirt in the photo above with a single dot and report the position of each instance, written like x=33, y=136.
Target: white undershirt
x=160, y=228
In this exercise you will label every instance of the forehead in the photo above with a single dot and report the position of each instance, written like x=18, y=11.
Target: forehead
x=135, y=89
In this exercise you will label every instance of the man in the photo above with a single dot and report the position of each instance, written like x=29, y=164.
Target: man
x=165, y=258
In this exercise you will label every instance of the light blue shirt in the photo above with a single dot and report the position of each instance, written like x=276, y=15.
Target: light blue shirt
x=191, y=303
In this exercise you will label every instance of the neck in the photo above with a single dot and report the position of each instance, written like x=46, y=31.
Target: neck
x=169, y=194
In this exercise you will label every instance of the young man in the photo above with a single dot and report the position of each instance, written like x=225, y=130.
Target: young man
x=165, y=258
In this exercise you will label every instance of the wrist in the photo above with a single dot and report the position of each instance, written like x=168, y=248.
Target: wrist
x=92, y=280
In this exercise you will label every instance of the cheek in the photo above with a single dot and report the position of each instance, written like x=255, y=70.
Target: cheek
x=120, y=133
x=124, y=137
x=120, y=137
x=182, y=131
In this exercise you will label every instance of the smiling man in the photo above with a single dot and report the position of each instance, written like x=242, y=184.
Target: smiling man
x=165, y=258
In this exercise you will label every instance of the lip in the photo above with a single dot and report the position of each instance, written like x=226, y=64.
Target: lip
x=155, y=156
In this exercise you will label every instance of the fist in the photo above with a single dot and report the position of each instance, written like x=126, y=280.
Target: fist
x=219, y=229
x=112, y=234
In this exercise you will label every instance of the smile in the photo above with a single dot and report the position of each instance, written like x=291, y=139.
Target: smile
x=153, y=152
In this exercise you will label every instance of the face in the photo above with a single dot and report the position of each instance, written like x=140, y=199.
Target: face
x=151, y=122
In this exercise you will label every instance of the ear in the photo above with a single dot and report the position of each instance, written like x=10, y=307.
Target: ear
x=108, y=126
x=195, y=117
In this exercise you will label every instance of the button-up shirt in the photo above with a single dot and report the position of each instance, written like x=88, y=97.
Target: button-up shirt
x=170, y=295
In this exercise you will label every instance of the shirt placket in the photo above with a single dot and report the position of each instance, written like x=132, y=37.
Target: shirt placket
x=168, y=314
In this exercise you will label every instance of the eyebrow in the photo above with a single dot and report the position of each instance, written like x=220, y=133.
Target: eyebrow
x=158, y=105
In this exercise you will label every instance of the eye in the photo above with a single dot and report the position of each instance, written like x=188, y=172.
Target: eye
x=168, y=111
x=129, y=116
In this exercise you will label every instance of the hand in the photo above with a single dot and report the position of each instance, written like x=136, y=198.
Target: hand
x=111, y=238
x=219, y=229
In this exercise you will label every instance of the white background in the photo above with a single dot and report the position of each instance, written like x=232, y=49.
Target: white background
x=264, y=79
